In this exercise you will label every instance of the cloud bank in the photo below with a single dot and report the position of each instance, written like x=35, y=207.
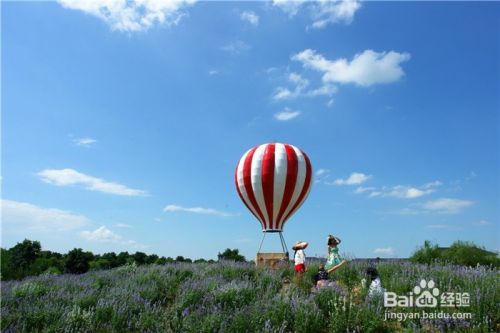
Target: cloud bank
x=68, y=177
x=365, y=69
x=196, y=210
x=132, y=15
x=25, y=215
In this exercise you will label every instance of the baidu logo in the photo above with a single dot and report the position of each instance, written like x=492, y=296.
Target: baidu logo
x=426, y=294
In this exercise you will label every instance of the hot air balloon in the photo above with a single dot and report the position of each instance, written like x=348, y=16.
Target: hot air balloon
x=273, y=180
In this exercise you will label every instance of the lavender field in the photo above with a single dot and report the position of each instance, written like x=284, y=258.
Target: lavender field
x=229, y=297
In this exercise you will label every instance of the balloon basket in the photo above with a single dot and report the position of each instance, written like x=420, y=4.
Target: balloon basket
x=271, y=260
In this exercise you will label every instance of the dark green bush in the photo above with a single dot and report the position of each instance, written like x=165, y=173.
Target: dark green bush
x=459, y=253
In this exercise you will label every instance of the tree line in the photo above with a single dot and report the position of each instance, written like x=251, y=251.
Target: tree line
x=459, y=253
x=27, y=258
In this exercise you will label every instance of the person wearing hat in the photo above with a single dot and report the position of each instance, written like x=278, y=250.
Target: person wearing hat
x=300, y=256
x=334, y=260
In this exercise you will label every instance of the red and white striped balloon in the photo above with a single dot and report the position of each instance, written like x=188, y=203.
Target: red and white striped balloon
x=273, y=180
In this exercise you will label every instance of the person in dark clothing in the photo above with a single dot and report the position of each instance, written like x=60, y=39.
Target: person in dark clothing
x=321, y=278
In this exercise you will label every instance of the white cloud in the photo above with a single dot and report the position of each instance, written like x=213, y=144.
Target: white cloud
x=433, y=184
x=400, y=191
x=362, y=189
x=105, y=235
x=196, y=210
x=282, y=93
x=471, y=176
x=406, y=192
x=67, y=177
x=482, y=223
x=136, y=245
x=326, y=12
x=300, y=84
x=236, y=47
x=132, y=15
x=322, y=172
x=365, y=69
x=101, y=234
x=321, y=176
x=286, y=115
x=250, y=17
x=444, y=226
x=123, y=225
x=291, y=7
x=355, y=178
x=447, y=205
x=213, y=72
x=324, y=90
x=322, y=12
x=22, y=215
x=84, y=142
x=270, y=70
x=388, y=251
x=438, y=226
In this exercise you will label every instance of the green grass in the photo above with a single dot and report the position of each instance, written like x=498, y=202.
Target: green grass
x=230, y=297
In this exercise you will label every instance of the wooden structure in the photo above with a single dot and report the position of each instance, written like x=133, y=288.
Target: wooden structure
x=272, y=260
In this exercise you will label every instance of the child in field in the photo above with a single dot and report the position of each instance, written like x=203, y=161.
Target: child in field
x=300, y=257
x=321, y=278
x=334, y=260
x=374, y=284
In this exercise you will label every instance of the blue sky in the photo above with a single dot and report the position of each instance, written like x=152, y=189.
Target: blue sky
x=122, y=125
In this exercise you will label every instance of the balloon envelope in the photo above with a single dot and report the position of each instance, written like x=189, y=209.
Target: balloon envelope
x=273, y=180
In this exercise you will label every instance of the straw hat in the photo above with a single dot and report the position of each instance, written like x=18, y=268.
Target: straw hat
x=300, y=245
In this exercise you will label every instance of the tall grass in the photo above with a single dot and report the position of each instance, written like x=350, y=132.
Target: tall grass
x=230, y=297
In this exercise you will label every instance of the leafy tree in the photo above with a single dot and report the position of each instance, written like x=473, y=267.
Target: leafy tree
x=161, y=261
x=22, y=255
x=469, y=254
x=427, y=254
x=77, y=261
x=46, y=260
x=151, y=259
x=52, y=270
x=122, y=258
x=99, y=264
x=229, y=254
x=180, y=259
x=459, y=253
x=140, y=258
x=6, y=266
x=112, y=259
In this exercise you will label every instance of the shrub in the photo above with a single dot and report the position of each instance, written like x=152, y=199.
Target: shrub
x=79, y=320
x=427, y=254
x=233, y=255
x=469, y=254
x=77, y=261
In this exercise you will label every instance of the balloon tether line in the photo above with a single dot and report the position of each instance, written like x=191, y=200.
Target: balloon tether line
x=283, y=244
x=262, y=241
